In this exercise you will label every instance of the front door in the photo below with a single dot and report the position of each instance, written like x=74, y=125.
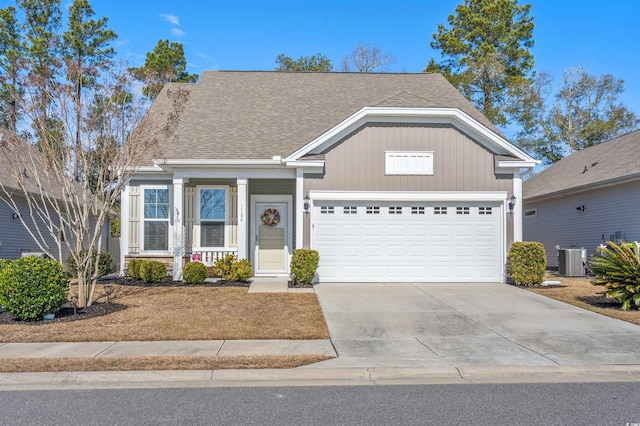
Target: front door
x=271, y=237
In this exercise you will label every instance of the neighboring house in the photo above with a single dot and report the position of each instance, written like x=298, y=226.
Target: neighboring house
x=586, y=199
x=391, y=177
x=15, y=240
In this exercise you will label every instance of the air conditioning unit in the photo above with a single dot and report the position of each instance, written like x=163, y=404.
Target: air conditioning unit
x=34, y=254
x=572, y=262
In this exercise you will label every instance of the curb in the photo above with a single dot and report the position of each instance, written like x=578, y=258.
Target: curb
x=323, y=377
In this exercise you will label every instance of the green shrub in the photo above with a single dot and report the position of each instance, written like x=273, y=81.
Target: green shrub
x=153, y=271
x=4, y=263
x=618, y=269
x=133, y=268
x=31, y=287
x=241, y=270
x=194, y=273
x=229, y=268
x=304, y=265
x=526, y=263
x=104, y=267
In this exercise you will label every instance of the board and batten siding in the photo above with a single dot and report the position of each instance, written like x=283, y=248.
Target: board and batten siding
x=607, y=211
x=358, y=162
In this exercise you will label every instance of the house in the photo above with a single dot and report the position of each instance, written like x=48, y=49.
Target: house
x=16, y=239
x=391, y=177
x=586, y=199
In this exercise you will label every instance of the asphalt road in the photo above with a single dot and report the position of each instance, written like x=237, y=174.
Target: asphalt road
x=469, y=404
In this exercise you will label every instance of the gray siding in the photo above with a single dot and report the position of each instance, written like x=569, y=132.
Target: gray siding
x=358, y=162
x=15, y=239
x=606, y=211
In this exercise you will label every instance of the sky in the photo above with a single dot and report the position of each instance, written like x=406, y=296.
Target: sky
x=603, y=37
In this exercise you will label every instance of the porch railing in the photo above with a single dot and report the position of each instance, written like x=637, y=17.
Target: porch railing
x=208, y=257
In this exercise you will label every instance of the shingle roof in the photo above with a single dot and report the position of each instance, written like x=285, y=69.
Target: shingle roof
x=14, y=152
x=258, y=115
x=617, y=158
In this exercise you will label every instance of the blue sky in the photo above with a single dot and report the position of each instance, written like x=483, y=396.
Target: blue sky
x=248, y=35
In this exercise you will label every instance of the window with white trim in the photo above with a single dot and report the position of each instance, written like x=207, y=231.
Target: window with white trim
x=155, y=219
x=212, y=216
x=417, y=210
x=373, y=210
x=531, y=213
x=462, y=210
x=395, y=210
x=408, y=163
x=485, y=210
x=439, y=210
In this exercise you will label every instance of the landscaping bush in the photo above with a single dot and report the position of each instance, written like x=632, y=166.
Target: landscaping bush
x=4, y=263
x=229, y=268
x=133, y=268
x=153, y=271
x=194, y=273
x=618, y=269
x=104, y=267
x=304, y=265
x=241, y=271
x=526, y=263
x=31, y=287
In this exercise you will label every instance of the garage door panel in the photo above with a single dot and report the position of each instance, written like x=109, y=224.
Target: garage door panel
x=357, y=246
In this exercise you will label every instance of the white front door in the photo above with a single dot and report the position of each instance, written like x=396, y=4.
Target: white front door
x=271, y=236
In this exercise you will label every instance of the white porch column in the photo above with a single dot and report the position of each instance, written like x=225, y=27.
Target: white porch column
x=517, y=209
x=178, y=224
x=243, y=224
x=124, y=226
x=299, y=208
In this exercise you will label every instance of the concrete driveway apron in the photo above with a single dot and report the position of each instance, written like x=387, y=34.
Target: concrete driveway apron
x=456, y=324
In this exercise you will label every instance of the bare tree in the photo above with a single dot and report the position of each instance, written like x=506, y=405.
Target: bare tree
x=71, y=208
x=367, y=58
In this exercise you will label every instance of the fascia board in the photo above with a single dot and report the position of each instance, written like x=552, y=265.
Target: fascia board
x=408, y=196
x=453, y=116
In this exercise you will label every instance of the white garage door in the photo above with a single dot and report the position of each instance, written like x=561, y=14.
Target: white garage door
x=407, y=241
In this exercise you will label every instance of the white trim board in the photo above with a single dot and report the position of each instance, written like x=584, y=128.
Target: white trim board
x=408, y=196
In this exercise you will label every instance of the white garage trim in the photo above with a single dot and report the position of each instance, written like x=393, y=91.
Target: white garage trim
x=496, y=199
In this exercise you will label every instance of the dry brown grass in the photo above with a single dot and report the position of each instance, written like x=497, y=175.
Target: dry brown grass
x=23, y=365
x=580, y=292
x=186, y=313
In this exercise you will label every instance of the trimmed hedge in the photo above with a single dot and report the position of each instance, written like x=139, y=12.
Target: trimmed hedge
x=526, y=263
x=133, y=268
x=304, y=265
x=194, y=273
x=31, y=287
x=4, y=263
x=104, y=267
x=153, y=271
x=618, y=269
x=229, y=268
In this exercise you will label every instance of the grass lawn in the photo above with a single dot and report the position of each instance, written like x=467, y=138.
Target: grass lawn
x=580, y=292
x=185, y=313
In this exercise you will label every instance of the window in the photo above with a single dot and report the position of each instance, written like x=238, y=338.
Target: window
x=395, y=210
x=155, y=219
x=417, y=210
x=327, y=209
x=408, y=163
x=462, y=210
x=373, y=210
x=350, y=210
x=484, y=210
x=531, y=213
x=213, y=215
x=439, y=210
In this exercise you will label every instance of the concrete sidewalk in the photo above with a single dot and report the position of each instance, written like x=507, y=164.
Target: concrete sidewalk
x=166, y=348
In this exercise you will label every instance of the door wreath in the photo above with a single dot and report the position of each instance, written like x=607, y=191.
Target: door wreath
x=271, y=217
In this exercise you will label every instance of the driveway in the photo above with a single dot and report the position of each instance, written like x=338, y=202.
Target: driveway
x=376, y=325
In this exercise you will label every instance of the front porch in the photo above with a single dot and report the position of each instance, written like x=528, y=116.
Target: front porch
x=204, y=219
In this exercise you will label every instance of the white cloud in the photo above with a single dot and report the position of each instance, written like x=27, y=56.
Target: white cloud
x=177, y=32
x=203, y=55
x=173, y=19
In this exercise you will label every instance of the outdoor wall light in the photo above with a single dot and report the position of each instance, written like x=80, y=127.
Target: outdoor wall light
x=15, y=216
x=580, y=208
x=512, y=203
x=306, y=203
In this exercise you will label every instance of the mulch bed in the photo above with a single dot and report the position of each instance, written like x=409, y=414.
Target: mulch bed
x=292, y=285
x=168, y=282
x=66, y=314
